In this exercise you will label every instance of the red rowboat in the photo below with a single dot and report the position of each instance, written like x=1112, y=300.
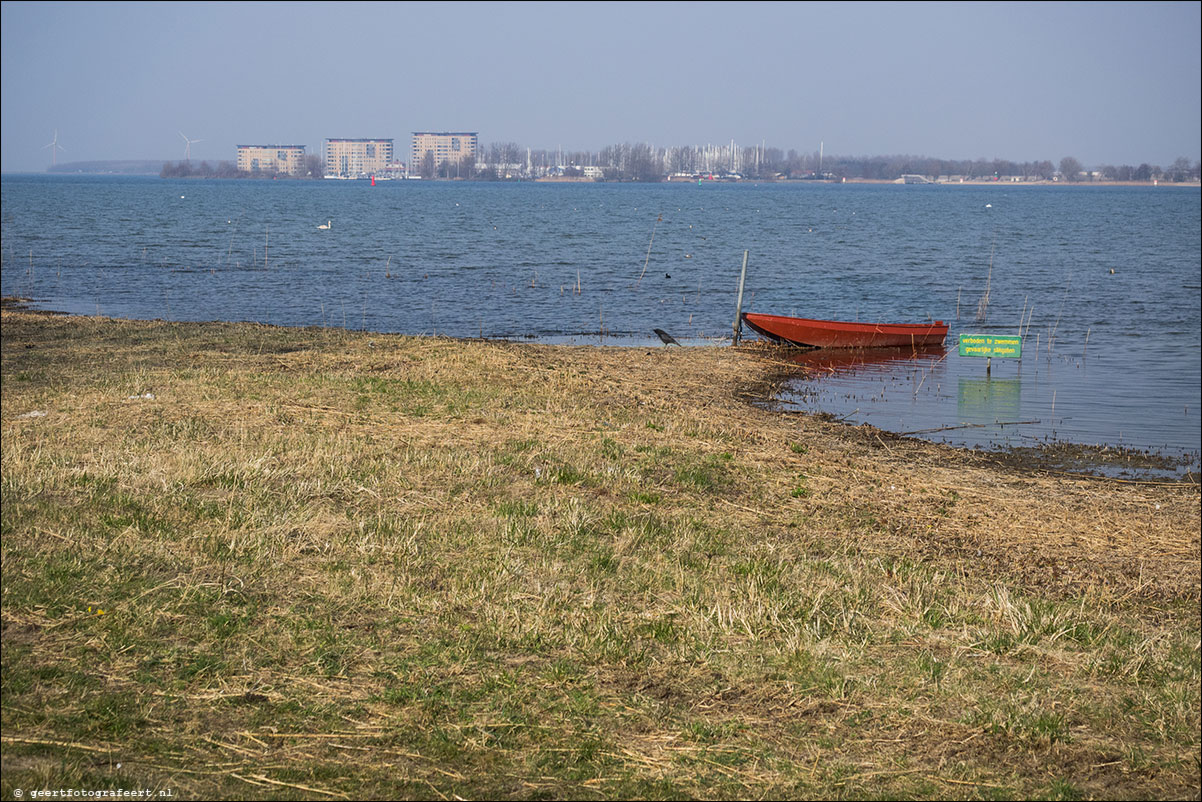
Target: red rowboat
x=836, y=334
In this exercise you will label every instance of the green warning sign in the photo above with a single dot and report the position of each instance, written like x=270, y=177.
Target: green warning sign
x=991, y=345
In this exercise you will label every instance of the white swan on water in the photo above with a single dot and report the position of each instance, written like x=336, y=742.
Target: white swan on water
x=326, y=227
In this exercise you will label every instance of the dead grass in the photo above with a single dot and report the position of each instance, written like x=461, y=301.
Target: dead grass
x=338, y=565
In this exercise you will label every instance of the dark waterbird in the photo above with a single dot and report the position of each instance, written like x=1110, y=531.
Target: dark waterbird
x=667, y=338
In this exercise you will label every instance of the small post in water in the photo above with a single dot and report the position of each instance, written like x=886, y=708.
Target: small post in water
x=738, y=326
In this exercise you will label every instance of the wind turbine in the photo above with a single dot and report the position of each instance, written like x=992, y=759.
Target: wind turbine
x=54, y=149
x=188, y=146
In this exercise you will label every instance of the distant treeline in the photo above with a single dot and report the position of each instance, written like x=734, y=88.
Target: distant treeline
x=1068, y=169
x=113, y=167
x=187, y=169
x=648, y=163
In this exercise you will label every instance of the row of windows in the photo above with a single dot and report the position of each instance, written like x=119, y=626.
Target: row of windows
x=255, y=165
x=370, y=154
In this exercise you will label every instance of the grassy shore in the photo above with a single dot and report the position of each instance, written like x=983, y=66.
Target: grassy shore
x=256, y=562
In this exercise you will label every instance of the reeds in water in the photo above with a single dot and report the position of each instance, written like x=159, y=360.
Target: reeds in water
x=1060, y=314
x=983, y=304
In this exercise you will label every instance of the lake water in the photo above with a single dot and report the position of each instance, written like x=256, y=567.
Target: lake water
x=1103, y=281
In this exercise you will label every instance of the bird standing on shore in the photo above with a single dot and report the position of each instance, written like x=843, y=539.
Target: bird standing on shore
x=665, y=337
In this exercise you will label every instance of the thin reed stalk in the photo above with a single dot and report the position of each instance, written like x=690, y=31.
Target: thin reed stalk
x=649, y=244
x=926, y=373
x=983, y=305
x=229, y=250
x=1052, y=334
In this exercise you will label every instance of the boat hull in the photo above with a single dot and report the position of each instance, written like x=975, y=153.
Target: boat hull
x=810, y=333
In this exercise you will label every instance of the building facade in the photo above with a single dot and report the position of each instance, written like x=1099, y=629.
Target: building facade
x=357, y=158
x=289, y=159
x=451, y=147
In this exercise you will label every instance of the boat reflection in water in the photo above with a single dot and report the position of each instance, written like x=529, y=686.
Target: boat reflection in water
x=832, y=360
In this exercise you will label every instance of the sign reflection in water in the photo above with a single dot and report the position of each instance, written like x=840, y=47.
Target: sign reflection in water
x=990, y=401
x=938, y=395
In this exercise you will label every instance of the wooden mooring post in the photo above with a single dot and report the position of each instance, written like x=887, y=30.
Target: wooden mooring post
x=738, y=326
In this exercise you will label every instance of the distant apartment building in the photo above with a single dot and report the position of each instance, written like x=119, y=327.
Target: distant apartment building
x=451, y=147
x=289, y=159
x=353, y=158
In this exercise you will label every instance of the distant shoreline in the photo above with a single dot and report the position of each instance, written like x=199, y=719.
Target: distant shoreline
x=984, y=182
x=974, y=182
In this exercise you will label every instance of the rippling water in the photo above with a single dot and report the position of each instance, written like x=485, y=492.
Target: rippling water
x=1104, y=281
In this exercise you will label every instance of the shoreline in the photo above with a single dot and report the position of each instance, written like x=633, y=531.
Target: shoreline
x=669, y=180
x=754, y=371
x=987, y=183
x=1098, y=461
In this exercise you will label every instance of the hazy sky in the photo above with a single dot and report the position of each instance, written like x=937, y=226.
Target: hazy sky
x=1107, y=83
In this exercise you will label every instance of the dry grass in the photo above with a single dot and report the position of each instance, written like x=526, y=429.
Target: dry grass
x=337, y=565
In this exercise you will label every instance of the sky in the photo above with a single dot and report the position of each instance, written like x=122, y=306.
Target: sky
x=1105, y=83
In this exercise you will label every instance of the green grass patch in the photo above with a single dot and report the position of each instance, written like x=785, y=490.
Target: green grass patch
x=331, y=568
